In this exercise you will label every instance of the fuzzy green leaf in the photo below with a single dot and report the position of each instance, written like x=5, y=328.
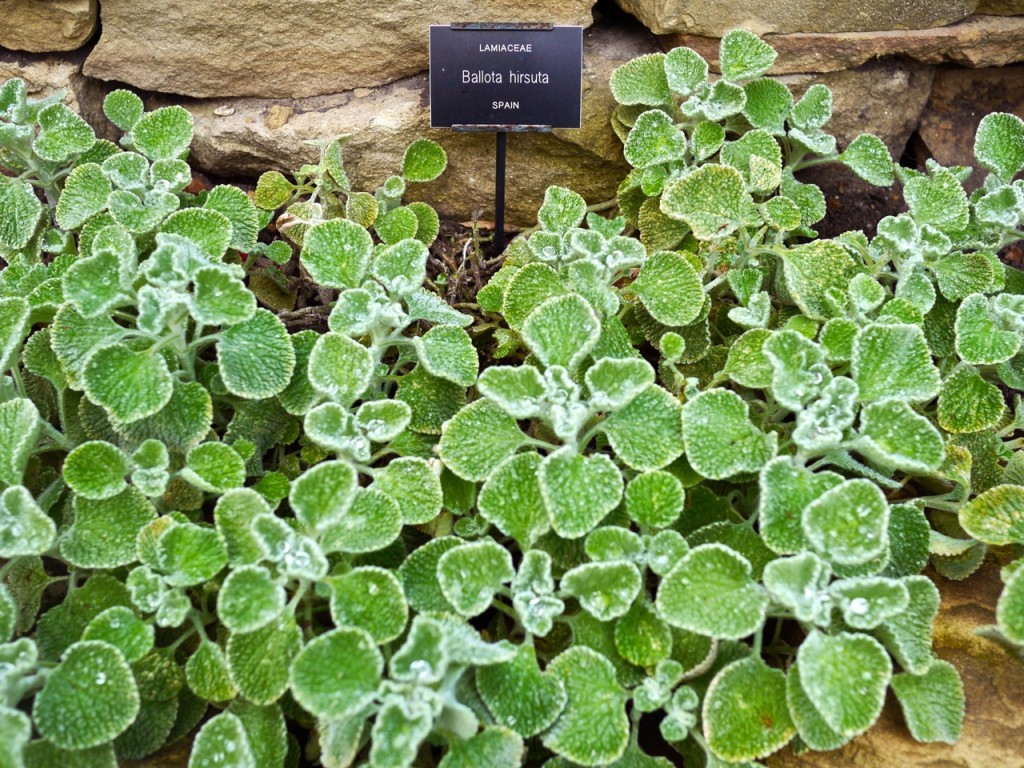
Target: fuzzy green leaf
x=85, y=194
x=647, y=433
x=968, y=403
x=424, y=160
x=894, y=361
x=256, y=358
x=578, y=491
x=744, y=56
x=654, y=140
x=259, y=661
x=893, y=434
x=642, y=80
x=932, y=703
x=20, y=210
x=670, y=289
x=370, y=599
x=477, y=439
x=121, y=628
x=769, y=104
x=605, y=590
x=207, y=673
x=655, y=499
x=720, y=439
x=447, y=351
x=221, y=299
x=999, y=144
x=89, y=698
x=745, y=713
x=96, y=470
x=494, y=746
x=562, y=331
x=711, y=592
x=62, y=134
x=1010, y=608
x=470, y=575
x=979, y=339
x=848, y=524
x=103, y=534
x=519, y=695
x=812, y=271
x=845, y=677
x=868, y=601
x=512, y=500
x=372, y=522
x=163, y=134
x=401, y=267
x=222, y=743
x=336, y=253
x=416, y=487
x=908, y=635
x=130, y=385
x=337, y=673
x=236, y=207
x=190, y=554
x=561, y=210
x=214, y=467
x=340, y=367
x=249, y=599
x=24, y=528
x=996, y=516
x=711, y=201
x=593, y=729
x=869, y=158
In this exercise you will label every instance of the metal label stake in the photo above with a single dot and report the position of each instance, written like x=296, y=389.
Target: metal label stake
x=505, y=78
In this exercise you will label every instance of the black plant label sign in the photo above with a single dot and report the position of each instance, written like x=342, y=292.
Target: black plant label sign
x=505, y=77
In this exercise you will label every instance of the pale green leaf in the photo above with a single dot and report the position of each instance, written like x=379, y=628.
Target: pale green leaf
x=894, y=361
x=163, y=134
x=606, y=590
x=869, y=158
x=908, y=635
x=968, y=403
x=670, y=289
x=255, y=357
x=259, y=661
x=511, y=499
x=222, y=743
x=352, y=664
x=744, y=56
x=470, y=575
x=336, y=253
x=103, y=534
x=648, y=432
x=1010, y=608
x=96, y=470
x=340, y=367
x=996, y=516
x=236, y=207
x=999, y=144
x=655, y=499
x=654, y=140
x=519, y=695
x=932, y=703
x=642, y=80
x=424, y=160
x=447, y=351
x=578, y=491
x=249, y=599
x=719, y=437
x=848, y=524
x=62, y=134
x=812, y=271
x=562, y=331
x=372, y=522
x=711, y=592
x=479, y=438
x=220, y=298
x=371, y=599
x=123, y=108
x=214, y=467
x=745, y=713
x=893, y=434
x=711, y=201
x=845, y=676
x=85, y=194
x=593, y=729
x=88, y=699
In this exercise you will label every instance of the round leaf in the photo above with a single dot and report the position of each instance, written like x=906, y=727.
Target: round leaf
x=424, y=160
x=848, y=524
x=249, y=599
x=256, y=358
x=337, y=673
x=745, y=713
x=336, y=253
x=130, y=385
x=370, y=599
x=89, y=699
x=519, y=695
x=470, y=575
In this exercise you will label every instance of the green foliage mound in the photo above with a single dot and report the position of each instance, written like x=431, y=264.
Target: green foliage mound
x=671, y=486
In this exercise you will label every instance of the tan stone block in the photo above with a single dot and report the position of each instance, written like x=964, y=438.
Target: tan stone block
x=713, y=18
x=287, y=49
x=42, y=26
x=979, y=41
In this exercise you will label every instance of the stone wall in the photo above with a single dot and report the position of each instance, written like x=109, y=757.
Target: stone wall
x=263, y=78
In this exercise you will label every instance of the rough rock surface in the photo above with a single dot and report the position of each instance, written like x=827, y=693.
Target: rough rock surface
x=958, y=101
x=288, y=49
x=54, y=25
x=714, y=18
x=1002, y=7
x=244, y=137
x=979, y=41
x=885, y=98
x=993, y=732
x=46, y=74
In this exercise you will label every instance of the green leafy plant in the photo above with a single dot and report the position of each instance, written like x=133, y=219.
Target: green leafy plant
x=677, y=481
